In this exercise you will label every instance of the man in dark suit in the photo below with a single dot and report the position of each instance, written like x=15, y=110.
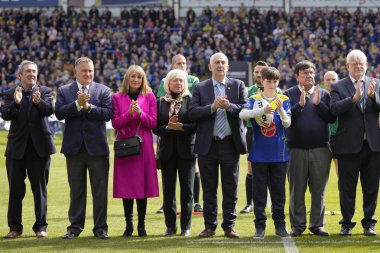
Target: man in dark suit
x=215, y=106
x=29, y=147
x=355, y=100
x=85, y=106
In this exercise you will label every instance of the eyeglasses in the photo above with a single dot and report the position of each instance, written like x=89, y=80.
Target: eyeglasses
x=357, y=64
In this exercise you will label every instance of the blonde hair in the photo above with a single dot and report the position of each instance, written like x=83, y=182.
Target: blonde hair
x=174, y=73
x=124, y=89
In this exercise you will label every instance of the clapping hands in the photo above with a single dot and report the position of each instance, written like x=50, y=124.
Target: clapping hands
x=134, y=107
x=173, y=124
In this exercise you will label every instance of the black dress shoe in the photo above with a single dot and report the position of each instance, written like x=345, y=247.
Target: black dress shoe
x=319, y=231
x=141, y=232
x=161, y=210
x=69, y=235
x=345, y=231
x=259, y=234
x=102, y=235
x=170, y=231
x=128, y=231
x=247, y=209
x=185, y=232
x=281, y=232
x=295, y=233
x=369, y=232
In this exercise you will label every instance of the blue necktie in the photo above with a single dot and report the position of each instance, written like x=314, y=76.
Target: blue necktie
x=221, y=122
x=84, y=89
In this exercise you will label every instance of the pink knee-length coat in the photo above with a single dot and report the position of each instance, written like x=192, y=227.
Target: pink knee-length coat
x=135, y=177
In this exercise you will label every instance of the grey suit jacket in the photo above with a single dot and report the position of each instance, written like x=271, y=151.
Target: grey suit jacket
x=200, y=111
x=81, y=126
x=353, y=121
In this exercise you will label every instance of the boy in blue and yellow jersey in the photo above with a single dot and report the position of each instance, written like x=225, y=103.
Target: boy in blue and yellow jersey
x=269, y=153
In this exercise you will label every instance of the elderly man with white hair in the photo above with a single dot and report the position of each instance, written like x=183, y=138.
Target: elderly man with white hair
x=355, y=100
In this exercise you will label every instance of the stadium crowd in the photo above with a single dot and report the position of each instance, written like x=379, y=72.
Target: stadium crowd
x=122, y=64
x=148, y=37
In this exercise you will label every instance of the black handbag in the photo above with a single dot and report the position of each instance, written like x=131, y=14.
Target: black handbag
x=128, y=146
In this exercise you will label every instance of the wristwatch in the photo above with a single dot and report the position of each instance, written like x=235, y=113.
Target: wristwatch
x=89, y=108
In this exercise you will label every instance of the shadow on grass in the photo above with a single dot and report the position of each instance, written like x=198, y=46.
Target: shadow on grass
x=151, y=243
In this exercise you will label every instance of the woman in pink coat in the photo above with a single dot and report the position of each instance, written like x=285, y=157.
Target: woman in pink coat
x=135, y=177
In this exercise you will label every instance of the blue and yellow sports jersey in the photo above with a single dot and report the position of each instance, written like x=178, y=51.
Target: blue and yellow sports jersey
x=269, y=143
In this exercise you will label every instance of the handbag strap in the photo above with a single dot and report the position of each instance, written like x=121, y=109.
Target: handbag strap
x=138, y=128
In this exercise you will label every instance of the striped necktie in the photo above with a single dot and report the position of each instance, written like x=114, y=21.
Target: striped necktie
x=362, y=90
x=221, y=116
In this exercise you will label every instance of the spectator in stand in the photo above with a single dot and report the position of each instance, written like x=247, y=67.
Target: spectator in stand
x=295, y=39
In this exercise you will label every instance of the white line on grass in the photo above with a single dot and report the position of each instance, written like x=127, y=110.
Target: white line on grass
x=289, y=245
x=278, y=242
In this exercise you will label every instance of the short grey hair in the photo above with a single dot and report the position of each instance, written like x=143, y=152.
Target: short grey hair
x=174, y=73
x=20, y=67
x=83, y=59
x=218, y=54
x=356, y=54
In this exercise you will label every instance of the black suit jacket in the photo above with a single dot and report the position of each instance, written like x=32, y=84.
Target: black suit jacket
x=353, y=122
x=81, y=126
x=200, y=111
x=28, y=119
x=182, y=142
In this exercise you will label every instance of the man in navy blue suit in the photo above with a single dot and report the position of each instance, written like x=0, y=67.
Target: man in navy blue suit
x=29, y=147
x=85, y=106
x=215, y=106
x=355, y=99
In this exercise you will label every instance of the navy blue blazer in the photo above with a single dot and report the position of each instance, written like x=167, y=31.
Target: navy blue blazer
x=353, y=122
x=82, y=126
x=200, y=111
x=28, y=119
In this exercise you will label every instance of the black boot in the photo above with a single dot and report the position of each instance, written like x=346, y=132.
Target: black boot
x=248, y=191
x=128, y=212
x=141, y=212
x=197, y=186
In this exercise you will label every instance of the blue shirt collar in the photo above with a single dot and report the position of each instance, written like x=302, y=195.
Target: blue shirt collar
x=214, y=82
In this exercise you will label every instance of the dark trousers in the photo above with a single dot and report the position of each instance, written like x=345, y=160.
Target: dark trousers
x=366, y=163
x=37, y=169
x=223, y=154
x=186, y=173
x=269, y=176
x=98, y=168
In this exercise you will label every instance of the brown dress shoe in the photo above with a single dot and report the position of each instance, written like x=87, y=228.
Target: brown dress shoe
x=208, y=232
x=41, y=234
x=231, y=233
x=12, y=235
